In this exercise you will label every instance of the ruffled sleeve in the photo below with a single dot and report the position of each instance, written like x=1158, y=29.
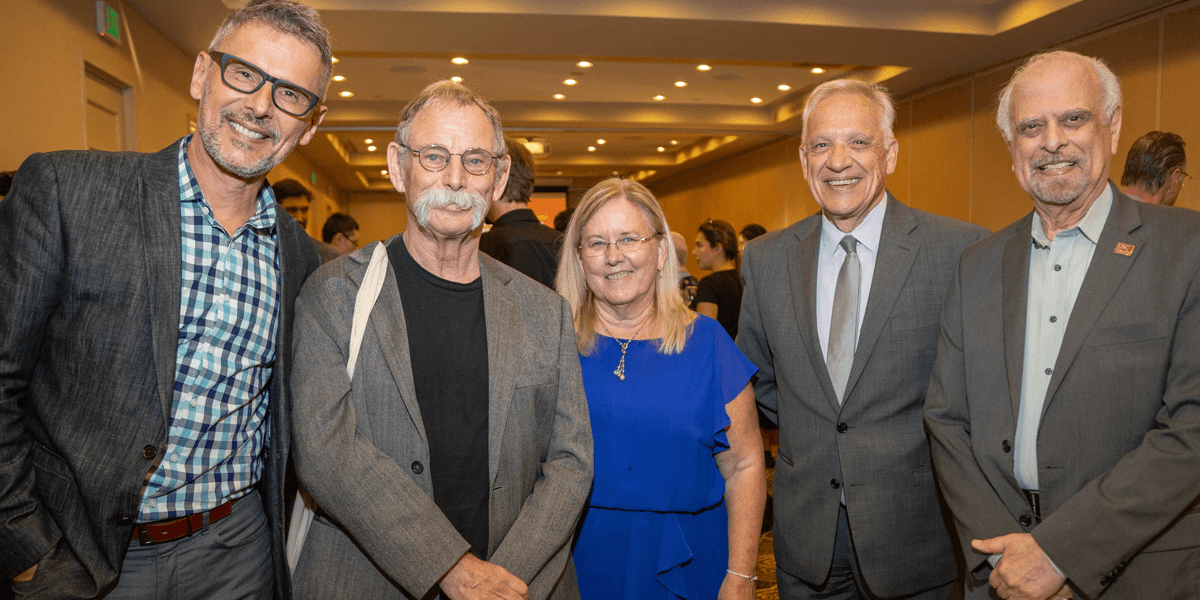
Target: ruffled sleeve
x=732, y=371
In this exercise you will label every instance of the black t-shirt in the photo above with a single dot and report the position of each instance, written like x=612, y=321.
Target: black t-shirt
x=447, y=340
x=723, y=288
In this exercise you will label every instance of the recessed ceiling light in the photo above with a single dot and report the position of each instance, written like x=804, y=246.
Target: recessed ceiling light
x=346, y=94
x=458, y=60
x=660, y=98
x=680, y=84
x=383, y=172
x=756, y=100
x=339, y=77
x=599, y=141
x=369, y=141
x=674, y=142
x=570, y=81
x=783, y=87
x=583, y=64
x=333, y=59
x=456, y=79
x=591, y=148
x=703, y=68
x=817, y=70
x=661, y=149
x=370, y=148
x=559, y=96
x=616, y=172
x=558, y=172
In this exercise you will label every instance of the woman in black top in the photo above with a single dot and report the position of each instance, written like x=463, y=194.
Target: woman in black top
x=720, y=294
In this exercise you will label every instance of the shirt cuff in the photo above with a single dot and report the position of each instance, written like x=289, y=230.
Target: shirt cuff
x=995, y=558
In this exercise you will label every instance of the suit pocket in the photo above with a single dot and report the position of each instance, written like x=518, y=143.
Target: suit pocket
x=1129, y=333
x=54, y=481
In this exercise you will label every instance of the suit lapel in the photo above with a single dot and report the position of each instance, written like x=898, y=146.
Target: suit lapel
x=1104, y=276
x=1016, y=298
x=893, y=262
x=157, y=190
x=802, y=260
x=502, y=313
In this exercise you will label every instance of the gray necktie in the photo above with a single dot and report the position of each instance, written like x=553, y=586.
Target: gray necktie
x=843, y=327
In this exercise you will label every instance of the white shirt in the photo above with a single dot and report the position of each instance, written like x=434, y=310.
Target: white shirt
x=830, y=257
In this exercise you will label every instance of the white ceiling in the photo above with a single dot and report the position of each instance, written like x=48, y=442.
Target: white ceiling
x=521, y=51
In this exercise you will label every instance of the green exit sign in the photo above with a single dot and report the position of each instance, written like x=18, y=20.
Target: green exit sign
x=108, y=22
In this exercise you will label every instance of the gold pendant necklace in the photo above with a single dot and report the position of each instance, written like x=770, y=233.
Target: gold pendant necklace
x=620, y=372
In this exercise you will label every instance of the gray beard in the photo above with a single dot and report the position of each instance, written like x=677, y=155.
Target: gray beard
x=1059, y=193
x=444, y=198
x=211, y=138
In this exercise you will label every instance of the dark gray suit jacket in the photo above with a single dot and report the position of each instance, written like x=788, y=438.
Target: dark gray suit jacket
x=1119, y=440
x=873, y=446
x=89, y=322
x=361, y=449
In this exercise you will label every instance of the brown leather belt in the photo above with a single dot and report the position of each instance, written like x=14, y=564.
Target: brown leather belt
x=170, y=530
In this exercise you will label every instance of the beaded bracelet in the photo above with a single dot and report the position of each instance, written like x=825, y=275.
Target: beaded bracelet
x=750, y=577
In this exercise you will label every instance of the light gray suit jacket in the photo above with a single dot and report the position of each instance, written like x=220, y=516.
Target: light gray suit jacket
x=90, y=269
x=361, y=452
x=1119, y=442
x=873, y=446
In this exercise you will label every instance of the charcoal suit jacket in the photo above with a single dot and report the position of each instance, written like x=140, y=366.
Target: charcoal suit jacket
x=90, y=268
x=873, y=446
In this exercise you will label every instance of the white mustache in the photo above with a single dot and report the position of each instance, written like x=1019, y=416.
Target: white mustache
x=444, y=198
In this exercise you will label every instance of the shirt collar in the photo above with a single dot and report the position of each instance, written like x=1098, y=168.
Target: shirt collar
x=867, y=233
x=189, y=191
x=1091, y=225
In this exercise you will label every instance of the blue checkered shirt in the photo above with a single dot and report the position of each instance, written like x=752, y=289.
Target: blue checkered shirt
x=227, y=322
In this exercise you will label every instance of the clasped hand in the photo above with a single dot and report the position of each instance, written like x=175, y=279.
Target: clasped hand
x=475, y=579
x=1024, y=572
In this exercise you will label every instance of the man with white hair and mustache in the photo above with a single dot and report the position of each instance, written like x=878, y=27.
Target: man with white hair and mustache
x=458, y=454
x=1064, y=406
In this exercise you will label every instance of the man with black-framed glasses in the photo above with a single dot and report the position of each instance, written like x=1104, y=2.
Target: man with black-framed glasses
x=144, y=423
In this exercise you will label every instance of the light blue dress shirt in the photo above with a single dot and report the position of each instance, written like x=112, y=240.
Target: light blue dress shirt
x=829, y=261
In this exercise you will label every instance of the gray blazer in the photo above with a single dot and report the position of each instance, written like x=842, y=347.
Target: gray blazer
x=1119, y=440
x=872, y=447
x=360, y=446
x=89, y=323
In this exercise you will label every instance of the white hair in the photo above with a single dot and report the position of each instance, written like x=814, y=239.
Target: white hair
x=1110, y=88
x=874, y=92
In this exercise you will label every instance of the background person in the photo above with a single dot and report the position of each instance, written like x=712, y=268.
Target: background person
x=673, y=424
x=341, y=232
x=749, y=232
x=296, y=200
x=719, y=295
x=517, y=238
x=1155, y=168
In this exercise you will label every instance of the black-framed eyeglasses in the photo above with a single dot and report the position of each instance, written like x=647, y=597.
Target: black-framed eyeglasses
x=244, y=77
x=629, y=244
x=434, y=158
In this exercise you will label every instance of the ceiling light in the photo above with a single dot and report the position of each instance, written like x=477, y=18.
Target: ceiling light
x=458, y=60
x=370, y=148
x=674, y=142
x=703, y=68
x=756, y=100
x=783, y=87
x=339, y=77
x=346, y=94
x=456, y=79
x=616, y=173
x=817, y=70
x=583, y=64
x=369, y=141
x=660, y=98
x=680, y=84
x=559, y=96
x=599, y=141
x=591, y=148
x=570, y=81
x=383, y=172
x=333, y=59
x=661, y=149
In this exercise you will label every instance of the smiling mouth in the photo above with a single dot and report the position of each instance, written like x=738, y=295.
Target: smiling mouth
x=1057, y=166
x=238, y=127
x=843, y=182
x=618, y=275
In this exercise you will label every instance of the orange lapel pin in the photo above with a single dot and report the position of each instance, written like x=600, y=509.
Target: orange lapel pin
x=1124, y=249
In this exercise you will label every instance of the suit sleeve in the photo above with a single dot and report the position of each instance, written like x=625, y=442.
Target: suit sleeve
x=540, y=539
x=978, y=512
x=752, y=339
x=386, y=513
x=32, y=274
x=1098, y=530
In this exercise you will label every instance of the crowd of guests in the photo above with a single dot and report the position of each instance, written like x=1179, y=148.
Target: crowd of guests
x=1012, y=414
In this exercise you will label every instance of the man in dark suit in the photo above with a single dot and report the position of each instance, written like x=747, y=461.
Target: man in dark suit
x=840, y=316
x=146, y=339
x=517, y=238
x=1064, y=408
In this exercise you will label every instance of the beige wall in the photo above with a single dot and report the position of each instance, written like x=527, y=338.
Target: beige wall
x=953, y=160
x=380, y=215
x=47, y=44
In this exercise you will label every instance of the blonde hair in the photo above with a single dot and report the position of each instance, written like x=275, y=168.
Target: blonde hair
x=669, y=310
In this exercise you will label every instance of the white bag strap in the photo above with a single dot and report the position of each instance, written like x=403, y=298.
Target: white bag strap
x=304, y=507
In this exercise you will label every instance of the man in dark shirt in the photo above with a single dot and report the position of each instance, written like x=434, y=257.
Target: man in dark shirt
x=517, y=238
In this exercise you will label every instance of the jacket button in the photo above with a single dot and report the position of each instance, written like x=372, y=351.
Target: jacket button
x=842, y=427
x=1006, y=446
x=125, y=521
x=836, y=484
x=149, y=451
x=1025, y=521
x=1104, y=580
x=417, y=467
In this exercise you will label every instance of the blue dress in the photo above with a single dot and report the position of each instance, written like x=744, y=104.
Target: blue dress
x=655, y=525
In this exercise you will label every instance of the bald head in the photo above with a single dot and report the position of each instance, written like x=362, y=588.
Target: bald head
x=681, y=249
